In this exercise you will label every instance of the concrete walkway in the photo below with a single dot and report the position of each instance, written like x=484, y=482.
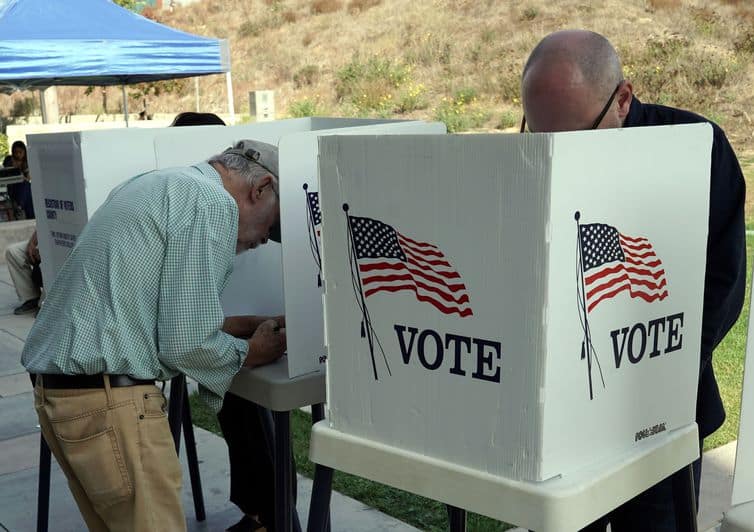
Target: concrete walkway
x=19, y=460
x=19, y=457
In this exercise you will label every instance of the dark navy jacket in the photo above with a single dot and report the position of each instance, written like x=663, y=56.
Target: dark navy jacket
x=725, y=278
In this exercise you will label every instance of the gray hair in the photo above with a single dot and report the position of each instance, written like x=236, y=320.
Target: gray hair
x=247, y=170
x=590, y=52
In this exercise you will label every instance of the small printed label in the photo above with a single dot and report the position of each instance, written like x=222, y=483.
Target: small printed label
x=651, y=431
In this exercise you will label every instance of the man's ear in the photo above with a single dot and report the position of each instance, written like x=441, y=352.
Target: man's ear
x=625, y=96
x=260, y=186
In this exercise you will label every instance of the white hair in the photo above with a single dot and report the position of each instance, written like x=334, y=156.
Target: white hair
x=247, y=170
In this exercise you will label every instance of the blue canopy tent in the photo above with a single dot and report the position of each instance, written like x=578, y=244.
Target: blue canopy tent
x=96, y=42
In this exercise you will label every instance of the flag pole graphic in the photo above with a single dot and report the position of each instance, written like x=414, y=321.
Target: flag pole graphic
x=366, y=328
x=586, y=343
x=313, y=242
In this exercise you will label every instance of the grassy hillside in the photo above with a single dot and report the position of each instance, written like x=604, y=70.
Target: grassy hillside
x=456, y=60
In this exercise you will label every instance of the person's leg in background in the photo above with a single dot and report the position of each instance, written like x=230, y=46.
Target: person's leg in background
x=252, y=477
x=21, y=274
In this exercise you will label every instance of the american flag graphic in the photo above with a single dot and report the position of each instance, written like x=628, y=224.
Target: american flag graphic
x=312, y=199
x=389, y=261
x=613, y=263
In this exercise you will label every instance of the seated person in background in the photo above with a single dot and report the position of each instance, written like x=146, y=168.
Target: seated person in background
x=20, y=193
x=22, y=258
x=251, y=467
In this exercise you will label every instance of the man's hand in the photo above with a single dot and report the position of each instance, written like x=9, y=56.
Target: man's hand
x=266, y=345
x=244, y=326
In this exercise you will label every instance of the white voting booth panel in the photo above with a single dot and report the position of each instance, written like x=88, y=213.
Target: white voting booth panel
x=470, y=319
x=78, y=170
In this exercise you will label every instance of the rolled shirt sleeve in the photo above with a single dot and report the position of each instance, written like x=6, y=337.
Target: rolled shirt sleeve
x=198, y=262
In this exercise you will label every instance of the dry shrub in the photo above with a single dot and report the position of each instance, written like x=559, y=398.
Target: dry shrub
x=664, y=4
x=289, y=16
x=357, y=6
x=325, y=6
x=307, y=75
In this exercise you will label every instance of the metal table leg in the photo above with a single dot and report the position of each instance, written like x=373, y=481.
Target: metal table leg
x=684, y=499
x=43, y=489
x=283, y=502
x=456, y=519
x=319, y=506
x=193, y=461
x=322, y=487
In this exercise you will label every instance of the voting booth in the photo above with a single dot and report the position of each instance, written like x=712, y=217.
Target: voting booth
x=74, y=172
x=520, y=306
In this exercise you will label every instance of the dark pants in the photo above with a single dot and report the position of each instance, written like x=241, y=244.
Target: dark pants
x=252, y=480
x=650, y=511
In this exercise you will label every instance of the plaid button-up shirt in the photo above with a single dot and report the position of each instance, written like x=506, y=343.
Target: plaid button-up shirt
x=139, y=295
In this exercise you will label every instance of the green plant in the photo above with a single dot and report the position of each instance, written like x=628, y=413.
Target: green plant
x=4, y=148
x=412, y=98
x=370, y=85
x=465, y=95
x=461, y=115
x=509, y=119
x=305, y=107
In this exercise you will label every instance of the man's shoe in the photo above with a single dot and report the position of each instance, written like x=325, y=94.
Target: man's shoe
x=246, y=524
x=27, y=307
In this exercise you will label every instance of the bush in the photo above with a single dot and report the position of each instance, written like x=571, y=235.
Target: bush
x=319, y=7
x=412, y=98
x=370, y=86
x=304, y=108
x=357, y=6
x=459, y=115
x=307, y=75
x=509, y=119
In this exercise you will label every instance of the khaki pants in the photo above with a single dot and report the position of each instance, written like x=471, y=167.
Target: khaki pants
x=20, y=271
x=114, y=446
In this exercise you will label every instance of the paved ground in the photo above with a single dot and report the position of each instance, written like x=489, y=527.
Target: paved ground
x=19, y=458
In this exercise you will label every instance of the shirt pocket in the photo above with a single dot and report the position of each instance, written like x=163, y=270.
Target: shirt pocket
x=98, y=464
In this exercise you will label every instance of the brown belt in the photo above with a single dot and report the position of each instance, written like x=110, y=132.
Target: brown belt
x=66, y=382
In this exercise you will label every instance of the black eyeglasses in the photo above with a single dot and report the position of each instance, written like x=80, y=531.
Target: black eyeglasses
x=599, y=117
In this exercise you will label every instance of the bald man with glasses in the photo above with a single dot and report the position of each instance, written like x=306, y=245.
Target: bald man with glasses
x=573, y=80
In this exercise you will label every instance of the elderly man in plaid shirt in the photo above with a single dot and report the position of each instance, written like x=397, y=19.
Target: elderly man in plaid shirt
x=138, y=301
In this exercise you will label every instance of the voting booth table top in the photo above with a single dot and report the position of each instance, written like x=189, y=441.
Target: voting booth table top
x=74, y=173
x=513, y=322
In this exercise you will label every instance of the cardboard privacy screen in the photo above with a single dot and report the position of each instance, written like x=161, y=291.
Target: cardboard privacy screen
x=523, y=305
x=75, y=172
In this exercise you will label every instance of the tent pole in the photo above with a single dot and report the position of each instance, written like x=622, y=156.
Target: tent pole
x=125, y=103
x=196, y=91
x=231, y=107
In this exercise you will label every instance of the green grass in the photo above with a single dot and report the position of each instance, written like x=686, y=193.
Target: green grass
x=728, y=361
x=422, y=513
